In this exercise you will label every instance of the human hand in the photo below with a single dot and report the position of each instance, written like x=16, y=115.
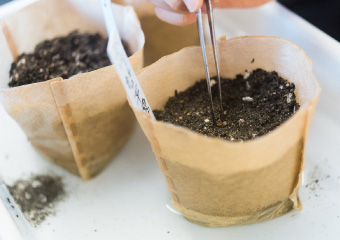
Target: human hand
x=182, y=12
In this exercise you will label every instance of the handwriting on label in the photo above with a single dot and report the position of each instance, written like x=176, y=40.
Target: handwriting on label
x=120, y=61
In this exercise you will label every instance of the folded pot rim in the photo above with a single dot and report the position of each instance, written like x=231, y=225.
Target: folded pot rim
x=303, y=115
x=8, y=39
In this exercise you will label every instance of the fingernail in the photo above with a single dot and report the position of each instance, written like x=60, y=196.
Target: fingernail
x=192, y=5
x=171, y=3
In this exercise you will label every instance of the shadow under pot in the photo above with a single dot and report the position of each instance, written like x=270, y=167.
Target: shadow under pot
x=248, y=168
x=73, y=107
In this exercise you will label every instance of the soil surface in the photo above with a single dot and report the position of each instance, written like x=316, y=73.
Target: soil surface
x=254, y=104
x=37, y=196
x=60, y=57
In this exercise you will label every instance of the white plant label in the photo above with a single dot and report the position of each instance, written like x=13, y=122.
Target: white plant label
x=120, y=61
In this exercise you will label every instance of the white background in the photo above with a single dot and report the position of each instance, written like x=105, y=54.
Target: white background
x=129, y=199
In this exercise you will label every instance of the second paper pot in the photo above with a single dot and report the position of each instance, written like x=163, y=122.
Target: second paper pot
x=78, y=123
x=214, y=182
x=161, y=38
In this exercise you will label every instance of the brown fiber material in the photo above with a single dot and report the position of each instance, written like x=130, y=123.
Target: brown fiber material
x=142, y=7
x=161, y=38
x=214, y=182
x=79, y=123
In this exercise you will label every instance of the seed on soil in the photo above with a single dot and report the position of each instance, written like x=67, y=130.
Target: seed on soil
x=212, y=82
x=247, y=99
x=246, y=74
x=247, y=85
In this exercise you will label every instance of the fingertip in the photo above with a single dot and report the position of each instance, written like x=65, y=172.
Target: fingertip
x=179, y=19
x=240, y=3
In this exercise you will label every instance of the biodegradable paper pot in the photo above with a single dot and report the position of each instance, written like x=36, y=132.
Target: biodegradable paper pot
x=79, y=123
x=161, y=38
x=142, y=7
x=214, y=182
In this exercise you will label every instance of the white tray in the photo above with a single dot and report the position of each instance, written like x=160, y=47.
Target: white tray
x=129, y=200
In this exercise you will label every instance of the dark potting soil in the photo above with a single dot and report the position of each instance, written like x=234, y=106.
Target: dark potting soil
x=254, y=104
x=37, y=196
x=61, y=57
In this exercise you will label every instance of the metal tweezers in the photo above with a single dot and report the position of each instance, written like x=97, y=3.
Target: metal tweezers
x=213, y=40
